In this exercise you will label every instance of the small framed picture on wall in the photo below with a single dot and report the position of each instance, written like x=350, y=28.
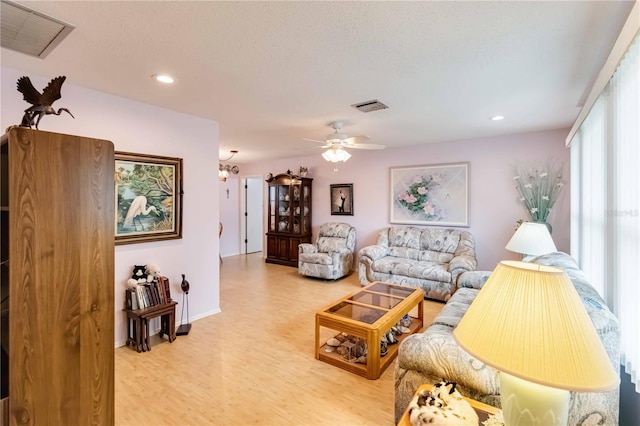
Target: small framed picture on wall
x=342, y=199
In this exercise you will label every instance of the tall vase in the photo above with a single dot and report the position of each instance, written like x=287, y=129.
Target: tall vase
x=545, y=223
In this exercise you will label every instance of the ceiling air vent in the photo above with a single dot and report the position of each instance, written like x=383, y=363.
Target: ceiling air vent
x=369, y=106
x=28, y=31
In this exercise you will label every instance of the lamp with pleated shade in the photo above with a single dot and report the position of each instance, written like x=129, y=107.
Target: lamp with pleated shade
x=529, y=323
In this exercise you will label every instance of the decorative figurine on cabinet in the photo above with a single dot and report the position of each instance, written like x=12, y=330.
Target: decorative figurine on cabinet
x=41, y=102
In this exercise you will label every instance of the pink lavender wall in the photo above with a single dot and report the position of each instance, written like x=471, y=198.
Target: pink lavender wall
x=141, y=128
x=494, y=207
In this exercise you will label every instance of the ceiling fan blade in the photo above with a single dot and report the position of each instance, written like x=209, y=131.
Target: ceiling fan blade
x=313, y=140
x=355, y=139
x=366, y=146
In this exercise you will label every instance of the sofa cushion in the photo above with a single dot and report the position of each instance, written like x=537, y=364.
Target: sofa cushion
x=412, y=268
x=440, y=240
x=435, y=256
x=415, y=254
x=602, y=318
x=404, y=236
x=317, y=258
x=452, y=312
x=329, y=244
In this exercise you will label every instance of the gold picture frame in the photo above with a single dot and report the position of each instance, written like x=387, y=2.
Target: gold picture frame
x=148, y=198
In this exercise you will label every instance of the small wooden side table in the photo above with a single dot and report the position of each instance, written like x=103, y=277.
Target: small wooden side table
x=138, y=324
x=483, y=410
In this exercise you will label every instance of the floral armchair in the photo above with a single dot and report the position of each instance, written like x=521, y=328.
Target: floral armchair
x=331, y=257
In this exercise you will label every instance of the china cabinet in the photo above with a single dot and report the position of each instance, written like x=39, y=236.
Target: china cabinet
x=289, y=217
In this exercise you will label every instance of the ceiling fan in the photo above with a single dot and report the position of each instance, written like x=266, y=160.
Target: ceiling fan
x=337, y=142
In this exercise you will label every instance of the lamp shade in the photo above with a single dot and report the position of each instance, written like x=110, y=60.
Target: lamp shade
x=532, y=239
x=528, y=321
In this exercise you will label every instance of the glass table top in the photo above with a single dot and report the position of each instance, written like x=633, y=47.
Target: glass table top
x=357, y=312
x=371, y=303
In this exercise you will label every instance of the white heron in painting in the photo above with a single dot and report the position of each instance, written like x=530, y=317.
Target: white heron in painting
x=138, y=207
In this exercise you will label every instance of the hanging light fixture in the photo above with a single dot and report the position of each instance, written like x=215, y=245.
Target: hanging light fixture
x=336, y=154
x=225, y=169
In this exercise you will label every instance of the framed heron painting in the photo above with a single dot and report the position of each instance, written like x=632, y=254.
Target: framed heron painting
x=148, y=197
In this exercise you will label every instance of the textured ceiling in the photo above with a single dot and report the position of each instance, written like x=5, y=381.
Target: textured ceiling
x=272, y=73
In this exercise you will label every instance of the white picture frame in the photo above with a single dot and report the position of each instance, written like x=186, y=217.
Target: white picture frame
x=430, y=195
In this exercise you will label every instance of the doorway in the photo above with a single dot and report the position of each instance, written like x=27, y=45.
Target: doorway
x=251, y=214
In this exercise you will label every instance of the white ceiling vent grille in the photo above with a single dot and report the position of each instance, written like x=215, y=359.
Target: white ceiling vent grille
x=369, y=106
x=28, y=31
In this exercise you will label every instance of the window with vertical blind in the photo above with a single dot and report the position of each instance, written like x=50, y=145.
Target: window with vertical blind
x=605, y=200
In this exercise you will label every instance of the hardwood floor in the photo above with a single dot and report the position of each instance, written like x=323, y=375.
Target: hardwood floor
x=254, y=362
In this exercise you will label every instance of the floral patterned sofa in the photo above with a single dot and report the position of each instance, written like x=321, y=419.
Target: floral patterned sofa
x=426, y=258
x=331, y=257
x=432, y=355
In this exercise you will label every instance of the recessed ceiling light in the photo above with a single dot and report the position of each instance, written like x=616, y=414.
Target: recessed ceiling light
x=497, y=117
x=163, y=78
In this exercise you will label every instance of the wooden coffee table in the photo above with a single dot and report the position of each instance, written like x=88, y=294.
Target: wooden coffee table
x=368, y=314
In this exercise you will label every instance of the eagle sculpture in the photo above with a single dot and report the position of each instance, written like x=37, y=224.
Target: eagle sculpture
x=41, y=101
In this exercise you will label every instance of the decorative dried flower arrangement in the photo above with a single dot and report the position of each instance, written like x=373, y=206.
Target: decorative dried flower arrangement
x=539, y=185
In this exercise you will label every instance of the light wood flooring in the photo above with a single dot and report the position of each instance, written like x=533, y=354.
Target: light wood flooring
x=254, y=362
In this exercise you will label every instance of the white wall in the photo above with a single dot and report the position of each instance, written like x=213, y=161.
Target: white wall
x=493, y=202
x=141, y=128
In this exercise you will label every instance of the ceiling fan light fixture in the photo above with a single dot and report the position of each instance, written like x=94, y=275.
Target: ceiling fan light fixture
x=335, y=155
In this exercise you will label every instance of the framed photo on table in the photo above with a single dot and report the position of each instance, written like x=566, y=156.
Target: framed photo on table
x=342, y=199
x=148, y=197
x=430, y=195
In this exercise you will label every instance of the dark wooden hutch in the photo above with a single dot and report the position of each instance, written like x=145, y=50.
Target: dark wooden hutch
x=289, y=217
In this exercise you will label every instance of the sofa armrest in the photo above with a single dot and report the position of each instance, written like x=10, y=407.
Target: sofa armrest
x=465, y=256
x=307, y=248
x=340, y=253
x=473, y=279
x=372, y=253
x=460, y=264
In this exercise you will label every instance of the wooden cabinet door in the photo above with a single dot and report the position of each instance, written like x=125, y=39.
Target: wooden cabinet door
x=283, y=248
x=272, y=247
x=61, y=273
x=294, y=242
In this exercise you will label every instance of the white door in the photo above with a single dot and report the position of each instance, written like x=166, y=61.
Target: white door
x=253, y=214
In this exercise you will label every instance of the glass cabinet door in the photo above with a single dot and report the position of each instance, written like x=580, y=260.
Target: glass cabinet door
x=295, y=207
x=284, y=209
x=272, y=208
x=305, y=208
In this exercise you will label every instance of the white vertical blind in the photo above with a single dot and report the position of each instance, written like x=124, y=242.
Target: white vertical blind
x=590, y=148
x=605, y=200
x=625, y=204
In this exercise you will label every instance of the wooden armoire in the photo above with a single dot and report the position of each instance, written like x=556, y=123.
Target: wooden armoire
x=57, y=214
